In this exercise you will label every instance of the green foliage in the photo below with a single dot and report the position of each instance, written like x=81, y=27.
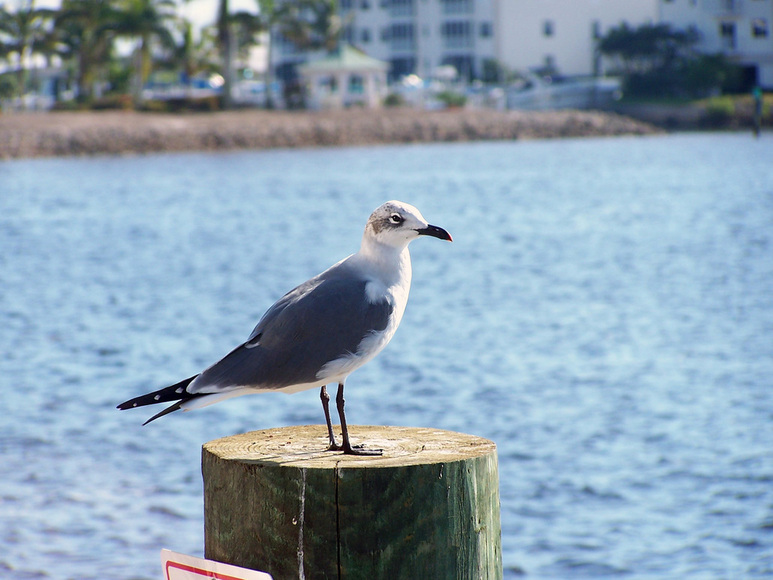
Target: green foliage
x=648, y=47
x=310, y=24
x=495, y=71
x=394, y=100
x=708, y=73
x=84, y=33
x=23, y=32
x=7, y=86
x=657, y=61
x=451, y=99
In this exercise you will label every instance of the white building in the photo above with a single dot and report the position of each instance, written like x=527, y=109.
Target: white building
x=418, y=36
x=740, y=29
x=562, y=34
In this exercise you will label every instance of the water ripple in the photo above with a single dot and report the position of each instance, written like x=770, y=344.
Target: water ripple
x=604, y=315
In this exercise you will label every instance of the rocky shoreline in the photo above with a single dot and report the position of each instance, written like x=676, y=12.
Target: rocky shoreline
x=60, y=134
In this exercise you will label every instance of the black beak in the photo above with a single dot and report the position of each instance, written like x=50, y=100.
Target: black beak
x=436, y=232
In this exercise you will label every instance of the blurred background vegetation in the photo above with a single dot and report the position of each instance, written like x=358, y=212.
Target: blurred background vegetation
x=108, y=50
x=103, y=53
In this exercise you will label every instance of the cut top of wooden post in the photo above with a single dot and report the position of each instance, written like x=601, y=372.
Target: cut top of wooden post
x=305, y=446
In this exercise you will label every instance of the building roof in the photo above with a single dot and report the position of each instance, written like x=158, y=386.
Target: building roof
x=345, y=58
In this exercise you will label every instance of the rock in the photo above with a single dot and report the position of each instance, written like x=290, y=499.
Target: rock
x=117, y=132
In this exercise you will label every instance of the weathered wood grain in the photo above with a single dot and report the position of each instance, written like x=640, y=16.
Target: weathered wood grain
x=275, y=501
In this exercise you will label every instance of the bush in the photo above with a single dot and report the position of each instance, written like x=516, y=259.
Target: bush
x=709, y=73
x=394, y=100
x=451, y=99
x=657, y=61
x=7, y=86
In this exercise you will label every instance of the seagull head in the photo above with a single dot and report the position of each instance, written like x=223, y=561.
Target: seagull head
x=397, y=223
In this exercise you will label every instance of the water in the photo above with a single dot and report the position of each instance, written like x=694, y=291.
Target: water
x=604, y=315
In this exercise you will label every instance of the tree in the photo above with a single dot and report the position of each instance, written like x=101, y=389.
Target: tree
x=194, y=56
x=226, y=51
x=311, y=24
x=648, y=47
x=86, y=29
x=245, y=28
x=656, y=60
x=269, y=18
x=146, y=21
x=237, y=33
x=22, y=33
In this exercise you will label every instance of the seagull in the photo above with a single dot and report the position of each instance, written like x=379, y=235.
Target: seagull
x=321, y=331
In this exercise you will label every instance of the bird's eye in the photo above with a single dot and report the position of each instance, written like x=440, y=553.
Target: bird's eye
x=396, y=218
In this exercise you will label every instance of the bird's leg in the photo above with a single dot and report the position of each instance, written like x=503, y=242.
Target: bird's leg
x=325, y=406
x=347, y=446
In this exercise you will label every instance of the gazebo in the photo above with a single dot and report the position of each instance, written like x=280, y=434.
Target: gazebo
x=343, y=78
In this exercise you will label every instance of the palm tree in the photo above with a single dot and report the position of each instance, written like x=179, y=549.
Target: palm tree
x=311, y=24
x=245, y=28
x=85, y=28
x=270, y=19
x=21, y=33
x=146, y=21
x=226, y=51
x=236, y=33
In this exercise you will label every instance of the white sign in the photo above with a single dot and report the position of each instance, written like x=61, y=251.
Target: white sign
x=181, y=567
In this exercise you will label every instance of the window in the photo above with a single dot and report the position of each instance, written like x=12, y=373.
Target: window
x=463, y=63
x=401, y=67
x=457, y=6
x=456, y=34
x=356, y=85
x=759, y=28
x=727, y=33
x=730, y=6
x=486, y=30
x=548, y=28
x=365, y=35
x=401, y=8
x=328, y=85
x=401, y=36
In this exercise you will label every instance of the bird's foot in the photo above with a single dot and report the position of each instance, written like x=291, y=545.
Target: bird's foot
x=354, y=450
x=359, y=450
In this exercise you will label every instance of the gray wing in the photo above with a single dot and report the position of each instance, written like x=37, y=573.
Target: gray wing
x=317, y=322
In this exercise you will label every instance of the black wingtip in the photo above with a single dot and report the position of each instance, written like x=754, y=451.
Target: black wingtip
x=174, y=393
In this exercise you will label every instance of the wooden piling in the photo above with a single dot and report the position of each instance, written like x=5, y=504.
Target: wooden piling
x=275, y=501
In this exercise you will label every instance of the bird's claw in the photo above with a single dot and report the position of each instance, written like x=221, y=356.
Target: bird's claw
x=359, y=450
x=355, y=450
